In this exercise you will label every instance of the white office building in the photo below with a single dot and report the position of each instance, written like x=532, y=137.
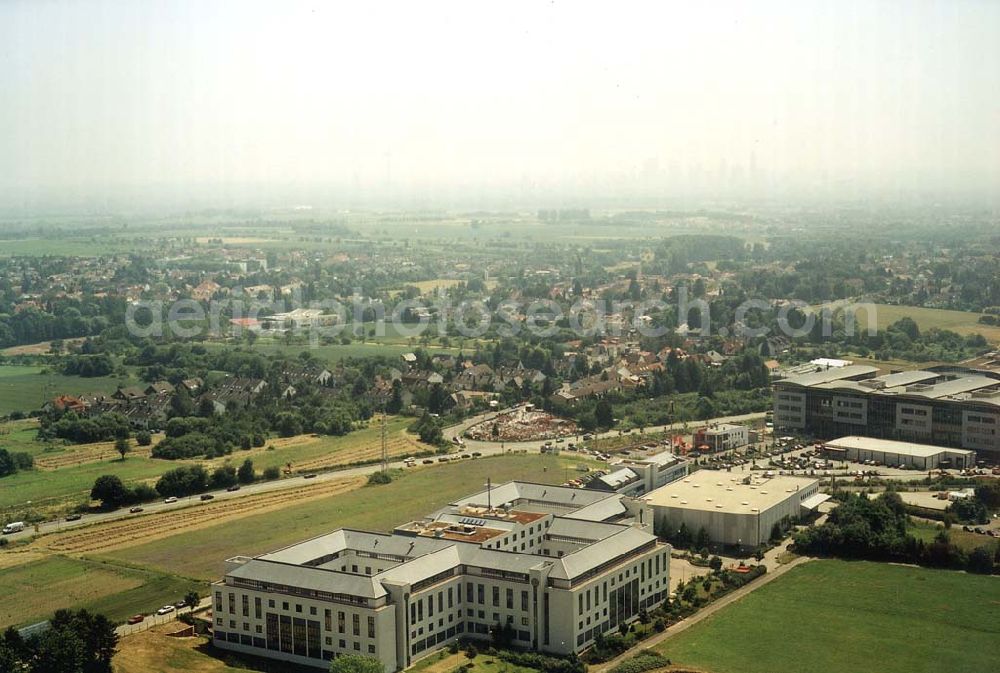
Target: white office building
x=554, y=566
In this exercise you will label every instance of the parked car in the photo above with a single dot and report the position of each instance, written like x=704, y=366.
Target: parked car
x=134, y=510
x=74, y=517
x=166, y=610
x=427, y=461
x=135, y=619
x=171, y=499
x=207, y=496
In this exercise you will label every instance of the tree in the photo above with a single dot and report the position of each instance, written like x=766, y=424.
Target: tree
x=181, y=404
x=701, y=540
x=191, y=599
x=715, y=563
x=604, y=414
x=356, y=663
x=122, y=446
x=143, y=438
x=223, y=476
x=110, y=490
x=7, y=464
x=245, y=474
x=271, y=473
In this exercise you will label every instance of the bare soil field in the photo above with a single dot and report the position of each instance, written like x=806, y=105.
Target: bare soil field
x=136, y=531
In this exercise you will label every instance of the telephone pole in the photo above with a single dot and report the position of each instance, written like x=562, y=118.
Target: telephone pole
x=385, y=449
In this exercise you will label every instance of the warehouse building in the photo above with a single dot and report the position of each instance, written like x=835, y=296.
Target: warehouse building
x=945, y=406
x=554, y=566
x=735, y=510
x=893, y=453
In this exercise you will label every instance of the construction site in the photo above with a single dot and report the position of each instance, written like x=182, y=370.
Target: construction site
x=522, y=424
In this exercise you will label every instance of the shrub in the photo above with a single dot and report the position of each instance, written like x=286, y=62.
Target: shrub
x=646, y=660
x=272, y=473
x=379, y=477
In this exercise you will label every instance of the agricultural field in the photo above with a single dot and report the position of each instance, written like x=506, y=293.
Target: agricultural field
x=962, y=322
x=200, y=553
x=64, y=474
x=313, y=452
x=851, y=616
x=333, y=353
x=58, y=582
x=25, y=388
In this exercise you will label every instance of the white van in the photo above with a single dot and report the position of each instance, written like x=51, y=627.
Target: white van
x=15, y=527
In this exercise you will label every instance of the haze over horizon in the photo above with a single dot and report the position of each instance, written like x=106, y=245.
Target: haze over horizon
x=434, y=103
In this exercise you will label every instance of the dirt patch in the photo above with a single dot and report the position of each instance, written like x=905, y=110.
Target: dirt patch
x=136, y=531
x=83, y=454
x=40, y=348
x=152, y=651
x=520, y=425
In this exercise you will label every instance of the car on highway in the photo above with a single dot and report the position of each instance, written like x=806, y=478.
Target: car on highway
x=233, y=488
x=207, y=496
x=134, y=510
x=74, y=517
x=170, y=500
x=166, y=610
x=311, y=475
x=135, y=619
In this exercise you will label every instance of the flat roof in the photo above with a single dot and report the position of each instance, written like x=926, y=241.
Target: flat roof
x=957, y=386
x=829, y=375
x=715, y=491
x=892, y=446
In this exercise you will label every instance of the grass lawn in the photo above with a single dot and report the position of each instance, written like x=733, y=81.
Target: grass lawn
x=963, y=540
x=25, y=388
x=851, y=616
x=200, y=553
x=60, y=582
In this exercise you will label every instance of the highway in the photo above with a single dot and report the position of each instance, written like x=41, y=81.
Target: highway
x=485, y=448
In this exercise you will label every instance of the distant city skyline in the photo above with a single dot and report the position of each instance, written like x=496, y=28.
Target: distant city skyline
x=521, y=103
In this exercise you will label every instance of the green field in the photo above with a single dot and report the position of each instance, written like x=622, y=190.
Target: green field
x=963, y=540
x=25, y=388
x=851, y=616
x=962, y=322
x=46, y=488
x=60, y=582
x=200, y=553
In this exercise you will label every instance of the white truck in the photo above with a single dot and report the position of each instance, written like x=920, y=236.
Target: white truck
x=15, y=527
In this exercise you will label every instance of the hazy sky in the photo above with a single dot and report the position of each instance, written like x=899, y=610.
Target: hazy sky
x=858, y=95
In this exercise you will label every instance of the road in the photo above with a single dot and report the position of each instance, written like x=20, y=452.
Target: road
x=485, y=448
x=155, y=619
